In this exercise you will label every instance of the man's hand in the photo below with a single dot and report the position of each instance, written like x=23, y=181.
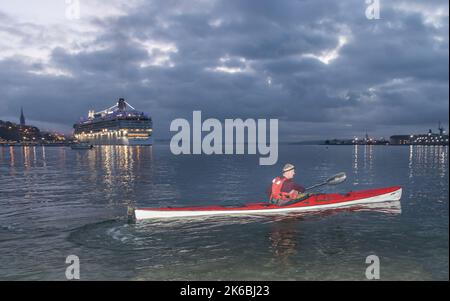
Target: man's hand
x=293, y=194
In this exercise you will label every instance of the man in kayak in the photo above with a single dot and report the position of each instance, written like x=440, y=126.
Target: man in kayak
x=283, y=190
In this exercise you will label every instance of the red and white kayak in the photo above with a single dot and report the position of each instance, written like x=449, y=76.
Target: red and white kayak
x=314, y=203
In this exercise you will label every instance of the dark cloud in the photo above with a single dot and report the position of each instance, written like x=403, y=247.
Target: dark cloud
x=321, y=67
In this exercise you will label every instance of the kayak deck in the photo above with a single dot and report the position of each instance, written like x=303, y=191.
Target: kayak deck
x=315, y=202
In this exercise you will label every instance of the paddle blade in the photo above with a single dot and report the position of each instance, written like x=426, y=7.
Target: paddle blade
x=337, y=179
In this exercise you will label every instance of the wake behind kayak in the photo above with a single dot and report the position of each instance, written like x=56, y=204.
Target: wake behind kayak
x=314, y=203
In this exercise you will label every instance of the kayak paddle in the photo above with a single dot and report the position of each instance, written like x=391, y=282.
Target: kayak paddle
x=334, y=180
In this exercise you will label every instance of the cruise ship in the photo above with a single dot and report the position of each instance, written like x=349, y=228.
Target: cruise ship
x=119, y=125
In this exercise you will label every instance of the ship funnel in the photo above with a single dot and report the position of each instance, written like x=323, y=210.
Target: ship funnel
x=122, y=105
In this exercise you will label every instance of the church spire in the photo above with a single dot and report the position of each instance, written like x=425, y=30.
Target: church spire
x=22, y=117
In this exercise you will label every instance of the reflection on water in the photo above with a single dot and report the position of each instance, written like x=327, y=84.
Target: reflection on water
x=355, y=164
x=285, y=231
x=423, y=158
x=363, y=171
x=283, y=239
x=44, y=159
x=109, y=161
x=368, y=162
x=26, y=157
x=410, y=164
x=62, y=157
x=118, y=166
x=109, y=172
x=11, y=156
x=368, y=156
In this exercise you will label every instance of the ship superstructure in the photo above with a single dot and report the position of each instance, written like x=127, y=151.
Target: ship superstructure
x=120, y=124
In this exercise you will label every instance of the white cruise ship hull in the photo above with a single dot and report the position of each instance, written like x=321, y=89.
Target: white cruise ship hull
x=118, y=141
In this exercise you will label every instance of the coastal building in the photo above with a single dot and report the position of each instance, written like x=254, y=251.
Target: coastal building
x=430, y=138
x=367, y=140
x=16, y=134
x=400, y=140
x=19, y=133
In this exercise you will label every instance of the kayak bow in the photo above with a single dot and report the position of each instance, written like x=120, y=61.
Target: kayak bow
x=316, y=202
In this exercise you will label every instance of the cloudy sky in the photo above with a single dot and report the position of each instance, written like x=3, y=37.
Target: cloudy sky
x=320, y=66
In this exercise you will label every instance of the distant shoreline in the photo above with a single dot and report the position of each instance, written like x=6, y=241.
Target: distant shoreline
x=32, y=145
x=164, y=142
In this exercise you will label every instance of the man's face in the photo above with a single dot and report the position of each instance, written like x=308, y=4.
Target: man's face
x=289, y=174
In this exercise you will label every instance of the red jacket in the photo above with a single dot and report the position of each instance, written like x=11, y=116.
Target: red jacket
x=287, y=187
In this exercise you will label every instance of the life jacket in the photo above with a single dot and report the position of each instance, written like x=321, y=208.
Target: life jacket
x=277, y=194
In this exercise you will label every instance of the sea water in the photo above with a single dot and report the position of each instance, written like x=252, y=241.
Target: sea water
x=56, y=202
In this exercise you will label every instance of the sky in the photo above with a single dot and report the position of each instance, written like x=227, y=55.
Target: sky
x=322, y=67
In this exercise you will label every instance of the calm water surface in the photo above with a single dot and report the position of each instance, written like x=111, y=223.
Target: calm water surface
x=55, y=202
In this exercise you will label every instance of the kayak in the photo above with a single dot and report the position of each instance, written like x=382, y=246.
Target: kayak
x=315, y=202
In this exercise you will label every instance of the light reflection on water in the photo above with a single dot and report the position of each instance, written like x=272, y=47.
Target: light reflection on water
x=57, y=201
x=363, y=167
